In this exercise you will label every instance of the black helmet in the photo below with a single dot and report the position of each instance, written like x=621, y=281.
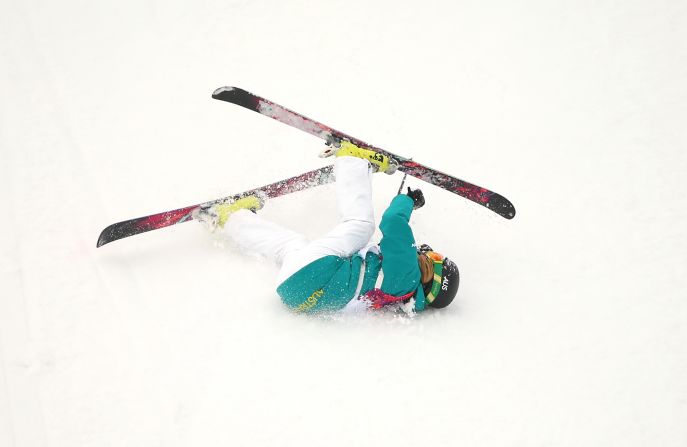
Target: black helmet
x=441, y=291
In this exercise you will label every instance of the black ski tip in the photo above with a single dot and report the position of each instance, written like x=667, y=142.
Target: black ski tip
x=238, y=96
x=221, y=91
x=106, y=236
x=118, y=231
x=501, y=206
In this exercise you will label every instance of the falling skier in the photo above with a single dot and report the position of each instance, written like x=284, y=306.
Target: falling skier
x=343, y=267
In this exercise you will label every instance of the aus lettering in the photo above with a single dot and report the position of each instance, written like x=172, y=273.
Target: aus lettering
x=311, y=301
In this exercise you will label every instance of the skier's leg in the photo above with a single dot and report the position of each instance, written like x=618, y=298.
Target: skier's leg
x=256, y=234
x=291, y=250
x=354, y=189
x=354, y=198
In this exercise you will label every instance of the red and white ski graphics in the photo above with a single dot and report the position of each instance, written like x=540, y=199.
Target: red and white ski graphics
x=489, y=199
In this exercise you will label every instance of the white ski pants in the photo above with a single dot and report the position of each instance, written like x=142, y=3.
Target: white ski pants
x=293, y=251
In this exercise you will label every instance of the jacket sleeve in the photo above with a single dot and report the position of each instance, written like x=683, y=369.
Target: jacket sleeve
x=399, y=255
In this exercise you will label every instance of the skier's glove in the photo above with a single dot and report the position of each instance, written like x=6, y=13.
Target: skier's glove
x=417, y=196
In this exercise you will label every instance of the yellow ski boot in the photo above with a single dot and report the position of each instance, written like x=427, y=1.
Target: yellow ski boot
x=215, y=216
x=380, y=162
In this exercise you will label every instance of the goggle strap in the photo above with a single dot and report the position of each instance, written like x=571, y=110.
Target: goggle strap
x=436, y=283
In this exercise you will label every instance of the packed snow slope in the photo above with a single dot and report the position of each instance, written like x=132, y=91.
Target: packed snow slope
x=570, y=324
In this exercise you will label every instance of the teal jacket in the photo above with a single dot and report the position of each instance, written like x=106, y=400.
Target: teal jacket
x=329, y=283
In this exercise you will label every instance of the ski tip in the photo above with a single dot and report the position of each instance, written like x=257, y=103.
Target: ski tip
x=115, y=232
x=501, y=206
x=237, y=96
x=221, y=90
x=105, y=237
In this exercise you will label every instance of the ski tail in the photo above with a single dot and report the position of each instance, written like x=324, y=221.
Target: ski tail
x=482, y=196
x=144, y=224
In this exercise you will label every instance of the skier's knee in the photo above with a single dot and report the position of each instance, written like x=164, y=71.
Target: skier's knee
x=364, y=232
x=369, y=230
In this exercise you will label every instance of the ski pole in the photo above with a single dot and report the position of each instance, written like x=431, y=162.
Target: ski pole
x=405, y=174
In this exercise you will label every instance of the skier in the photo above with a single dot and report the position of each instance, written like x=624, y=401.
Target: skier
x=343, y=266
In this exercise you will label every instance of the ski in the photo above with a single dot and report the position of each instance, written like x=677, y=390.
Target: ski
x=140, y=225
x=482, y=196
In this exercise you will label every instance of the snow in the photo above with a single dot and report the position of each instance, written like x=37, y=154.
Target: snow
x=569, y=327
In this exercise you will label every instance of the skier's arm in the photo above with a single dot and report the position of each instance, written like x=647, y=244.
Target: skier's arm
x=399, y=255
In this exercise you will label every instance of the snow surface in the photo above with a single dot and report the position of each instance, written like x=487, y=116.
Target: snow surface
x=570, y=325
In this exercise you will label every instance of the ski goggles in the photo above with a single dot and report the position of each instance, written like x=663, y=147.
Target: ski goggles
x=433, y=289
